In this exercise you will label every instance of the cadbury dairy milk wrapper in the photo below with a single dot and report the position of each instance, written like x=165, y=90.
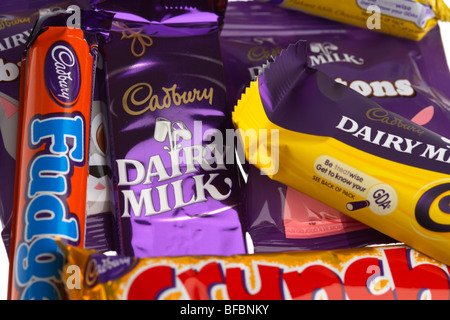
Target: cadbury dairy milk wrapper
x=17, y=19
x=177, y=194
x=347, y=151
x=407, y=77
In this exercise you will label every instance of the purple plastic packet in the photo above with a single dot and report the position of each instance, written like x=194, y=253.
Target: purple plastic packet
x=406, y=77
x=177, y=196
x=17, y=20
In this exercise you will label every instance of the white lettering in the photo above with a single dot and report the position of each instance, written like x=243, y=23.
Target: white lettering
x=362, y=87
x=431, y=152
x=374, y=21
x=8, y=71
x=380, y=88
x=123, y=169
x=63, y=58
x=342, y=124
x=392, y=141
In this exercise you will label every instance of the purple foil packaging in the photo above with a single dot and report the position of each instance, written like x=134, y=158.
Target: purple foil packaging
x=17, y=20
x=407, y=77
x=177, y=195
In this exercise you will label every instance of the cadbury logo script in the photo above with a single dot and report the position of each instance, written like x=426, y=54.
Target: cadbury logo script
x=152, y=102
x=62, y=74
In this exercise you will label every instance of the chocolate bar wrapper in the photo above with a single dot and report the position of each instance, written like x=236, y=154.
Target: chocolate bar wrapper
x=337, y=146
x=401, y=18
x=177, y=193
x=371, y=273
x=57, y=80
x=16, y=24
x=17, y=19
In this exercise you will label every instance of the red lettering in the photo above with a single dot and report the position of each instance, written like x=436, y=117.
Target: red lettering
x=199, y=283
x=410, y=282
x=357, y=276
x=270, y=284
x=302, y=286
x=150, y=283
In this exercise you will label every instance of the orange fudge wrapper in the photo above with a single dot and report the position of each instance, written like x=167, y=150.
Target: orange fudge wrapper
x=371, y=273
x=52, y=170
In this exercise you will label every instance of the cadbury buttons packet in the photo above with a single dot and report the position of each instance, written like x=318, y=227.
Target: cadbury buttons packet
x=371, y=273
x=347, y=151
x=411, y=19
x=57, y=76
x=177, y=193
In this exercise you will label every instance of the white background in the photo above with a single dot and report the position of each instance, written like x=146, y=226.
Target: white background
x=4, y=265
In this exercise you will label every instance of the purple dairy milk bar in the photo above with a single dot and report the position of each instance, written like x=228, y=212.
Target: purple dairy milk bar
x=177, y=194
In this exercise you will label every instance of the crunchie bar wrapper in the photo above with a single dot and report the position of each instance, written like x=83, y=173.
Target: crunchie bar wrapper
x=410, y=19
x=371, y=273
x=347, y=151
x=57, y=76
